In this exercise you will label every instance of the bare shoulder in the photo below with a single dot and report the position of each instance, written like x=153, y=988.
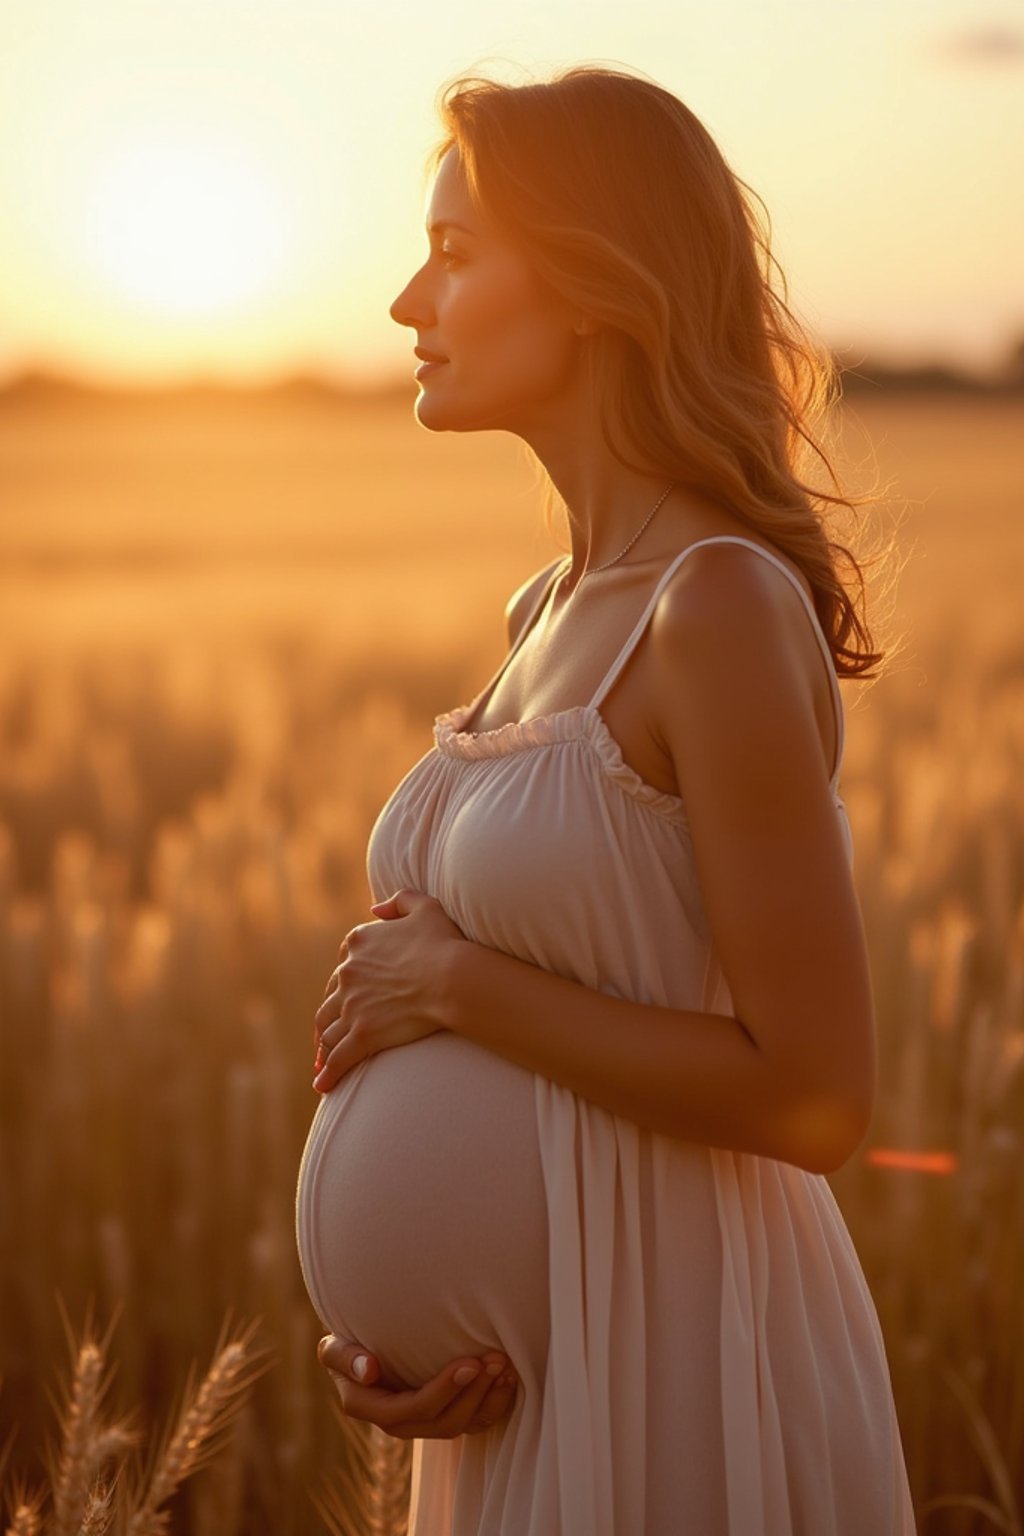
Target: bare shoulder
x=728, y=606
x=521, y=604
x=732, y=655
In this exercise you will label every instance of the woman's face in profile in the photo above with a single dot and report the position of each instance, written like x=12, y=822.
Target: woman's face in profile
x=508, y=341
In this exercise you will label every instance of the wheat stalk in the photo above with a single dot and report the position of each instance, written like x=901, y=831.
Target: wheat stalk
x=23, y=1508
x=205, y=1413
x=974, y=1502
x=75, y=1470
x=24, y=1521
x=86, y=1501
x=1006, y=1514
x=80, y=1426
x=87, y=1444
x=99, y=1510
x=374, y=1499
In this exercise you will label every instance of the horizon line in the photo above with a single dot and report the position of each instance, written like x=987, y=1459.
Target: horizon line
x=856, y=369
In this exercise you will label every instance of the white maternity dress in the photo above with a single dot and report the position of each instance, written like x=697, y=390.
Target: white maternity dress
x=698, y=1350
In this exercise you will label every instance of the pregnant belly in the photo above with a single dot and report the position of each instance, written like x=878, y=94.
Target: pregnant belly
x=420, y=1212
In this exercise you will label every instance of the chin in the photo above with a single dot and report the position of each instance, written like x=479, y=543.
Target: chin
x=439, y=415
x=432, y=414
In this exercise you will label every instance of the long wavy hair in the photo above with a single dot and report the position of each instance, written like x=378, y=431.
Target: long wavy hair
x=623, y=204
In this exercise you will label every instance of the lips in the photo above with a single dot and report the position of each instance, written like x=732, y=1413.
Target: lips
x=429, y=357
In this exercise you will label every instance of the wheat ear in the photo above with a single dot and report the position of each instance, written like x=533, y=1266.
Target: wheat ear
x=99, y=1510
x=204, y=1415
x=24, y=1522
x=81, y=1427
x=88, y=1445
x=374, y=1501
x=25, y=1517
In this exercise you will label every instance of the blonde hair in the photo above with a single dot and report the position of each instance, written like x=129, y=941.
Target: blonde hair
x=623, y=204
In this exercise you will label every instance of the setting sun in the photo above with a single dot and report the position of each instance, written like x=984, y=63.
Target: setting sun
x=192, y=187
x=184, y=227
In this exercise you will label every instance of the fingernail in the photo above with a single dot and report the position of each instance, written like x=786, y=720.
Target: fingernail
x=495, y=1368
x=322, y=1346
x=360, y=1365
x=465, y=1374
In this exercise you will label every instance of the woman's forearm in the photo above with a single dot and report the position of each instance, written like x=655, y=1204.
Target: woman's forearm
x=697, y=1076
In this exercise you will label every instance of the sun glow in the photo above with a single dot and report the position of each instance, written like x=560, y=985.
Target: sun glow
x=186, y=228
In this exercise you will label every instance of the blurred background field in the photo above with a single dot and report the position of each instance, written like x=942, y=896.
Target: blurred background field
x=226, y=622
x=229, y=612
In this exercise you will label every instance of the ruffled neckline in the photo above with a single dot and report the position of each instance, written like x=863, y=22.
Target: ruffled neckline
x=583, y=722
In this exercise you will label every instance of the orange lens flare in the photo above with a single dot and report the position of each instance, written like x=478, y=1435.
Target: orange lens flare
x=914, y=1162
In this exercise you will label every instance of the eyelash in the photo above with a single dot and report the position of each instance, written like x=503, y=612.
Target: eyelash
x=447, y=256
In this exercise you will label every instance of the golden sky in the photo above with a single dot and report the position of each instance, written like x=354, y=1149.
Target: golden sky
x=233, y=187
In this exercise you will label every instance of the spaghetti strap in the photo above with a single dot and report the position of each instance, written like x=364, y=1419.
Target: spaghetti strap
x=641, y=624
x=488, y=688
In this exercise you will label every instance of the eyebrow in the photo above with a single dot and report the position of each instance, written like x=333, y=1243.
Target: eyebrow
x=440, y=224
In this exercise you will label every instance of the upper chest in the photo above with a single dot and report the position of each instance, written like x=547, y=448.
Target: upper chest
x=565, y=658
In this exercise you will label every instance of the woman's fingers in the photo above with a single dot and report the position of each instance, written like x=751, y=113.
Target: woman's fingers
x=415, y=1412
x=327, y=1012
x=496, y=1405
x=328, y=1009
x=441, y=1416
x=332, y=980
x=447, y=1405
x=342, y=1355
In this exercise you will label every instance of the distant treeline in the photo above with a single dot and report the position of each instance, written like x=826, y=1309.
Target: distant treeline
x=931, y=378
x=858, y=376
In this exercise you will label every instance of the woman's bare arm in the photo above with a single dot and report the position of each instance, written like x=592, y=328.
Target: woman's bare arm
x=792, y=1075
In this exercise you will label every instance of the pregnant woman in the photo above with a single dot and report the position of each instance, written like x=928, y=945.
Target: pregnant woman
x=585, y=1072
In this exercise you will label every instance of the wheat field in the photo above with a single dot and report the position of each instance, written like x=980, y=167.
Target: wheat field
x=225, y=628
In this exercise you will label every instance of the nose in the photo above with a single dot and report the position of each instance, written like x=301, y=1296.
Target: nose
x=410, y=307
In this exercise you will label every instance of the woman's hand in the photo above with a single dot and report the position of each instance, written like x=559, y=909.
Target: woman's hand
x=385, y=991
x=442, y=1408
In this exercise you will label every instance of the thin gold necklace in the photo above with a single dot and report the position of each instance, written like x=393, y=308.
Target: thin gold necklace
x=593, y=569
